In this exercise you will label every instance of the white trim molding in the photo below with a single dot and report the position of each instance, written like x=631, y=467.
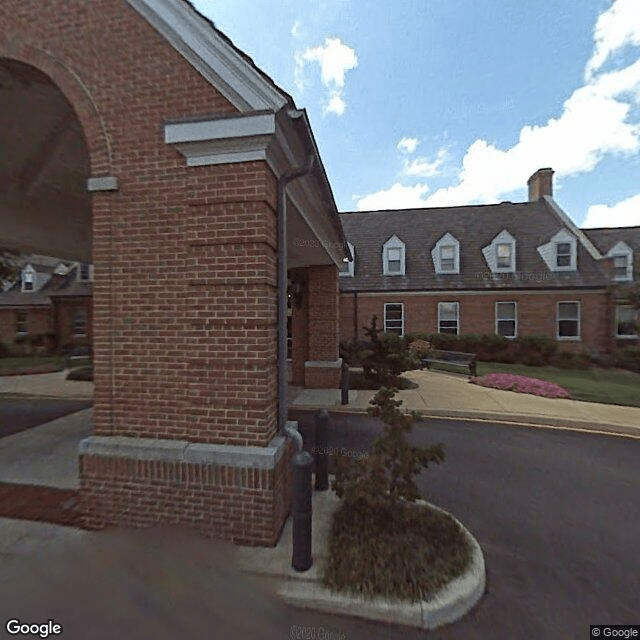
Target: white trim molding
x=499, y=319
x=220, y=63
x=102, y=183
x=576, y=319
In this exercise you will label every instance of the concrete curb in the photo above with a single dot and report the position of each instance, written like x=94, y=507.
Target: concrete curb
x=450, y=604
x=524, y=420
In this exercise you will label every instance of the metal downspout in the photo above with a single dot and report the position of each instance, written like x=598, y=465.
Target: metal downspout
x=283, y=182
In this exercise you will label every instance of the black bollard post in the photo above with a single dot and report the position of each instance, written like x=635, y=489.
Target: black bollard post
x=344, y=383
x=301, y=560
x=321, y=420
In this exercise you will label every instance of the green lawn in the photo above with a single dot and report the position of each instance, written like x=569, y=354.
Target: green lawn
x=17, y=364
x=591, y=385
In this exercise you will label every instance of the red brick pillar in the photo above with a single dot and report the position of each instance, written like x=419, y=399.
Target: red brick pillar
x=322, y=369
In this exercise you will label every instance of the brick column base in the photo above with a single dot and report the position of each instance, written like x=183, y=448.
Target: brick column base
x=241, y=494
x=322, y=374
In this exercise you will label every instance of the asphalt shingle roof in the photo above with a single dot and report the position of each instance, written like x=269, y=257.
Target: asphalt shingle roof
x=531, y=223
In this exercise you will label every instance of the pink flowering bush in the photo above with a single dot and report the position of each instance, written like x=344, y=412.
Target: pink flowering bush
x=521, y=384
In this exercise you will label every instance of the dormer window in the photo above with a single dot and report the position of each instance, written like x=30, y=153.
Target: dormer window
x=622, y=255
x=446, y=255
x=28, y=278
x=348, y=268
x=448, y=258
x=393, y=257
x=84, y=274
x=563, y=254
x=500, y=255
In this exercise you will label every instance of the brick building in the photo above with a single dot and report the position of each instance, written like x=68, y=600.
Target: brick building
x=136, y=136
x=512, y=269
x=48, y=308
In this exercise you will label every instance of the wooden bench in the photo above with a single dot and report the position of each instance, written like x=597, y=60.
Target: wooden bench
x=454, y=358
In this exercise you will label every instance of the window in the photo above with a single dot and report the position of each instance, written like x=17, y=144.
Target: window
x=620, y=264
x=394, y=263
x=84, y=273
x=568, y=320
x=446, y=255
x=79, y=326
x=503, y=256
x=347, y=268
x=393, y=257
x=626, y=322
x=506, y=319
x=27, y=281
x=448, y=317
x=563, y=254
x=447, y=258
x=394, y=318
x=21, y=322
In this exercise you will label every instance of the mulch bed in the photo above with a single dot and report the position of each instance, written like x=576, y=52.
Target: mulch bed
x=41, y=504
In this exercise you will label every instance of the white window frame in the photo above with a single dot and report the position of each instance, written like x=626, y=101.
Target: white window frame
x=386, y=325
x=457, y=307
x=515, y=318
x=447, y=240
x=549, y=252
x=393, y=243
x=624, y=336
x=350, y=270
x=88, y=272
x=568, y=254
x=75, y=322
x=579, y=320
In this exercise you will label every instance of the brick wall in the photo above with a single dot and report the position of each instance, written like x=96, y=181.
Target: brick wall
x=536, y=314
x=38, y=322
x=184, y=293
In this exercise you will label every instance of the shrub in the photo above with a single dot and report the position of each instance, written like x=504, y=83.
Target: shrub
x=385, y=356
x=521, y=384
x=387, y=476
x=628, y=358
x=538, y=347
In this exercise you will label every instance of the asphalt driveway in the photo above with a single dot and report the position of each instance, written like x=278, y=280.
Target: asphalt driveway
x=18, y=413
x=556, y=513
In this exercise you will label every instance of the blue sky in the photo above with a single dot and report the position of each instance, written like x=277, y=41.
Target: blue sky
x=451, y=102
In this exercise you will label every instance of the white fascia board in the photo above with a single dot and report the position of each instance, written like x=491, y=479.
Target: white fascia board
x=217, y=61
x=566, y=220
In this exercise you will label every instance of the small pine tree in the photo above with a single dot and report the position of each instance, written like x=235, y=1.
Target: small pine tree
x=387, y=476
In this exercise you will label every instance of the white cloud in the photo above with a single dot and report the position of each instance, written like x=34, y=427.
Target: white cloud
x=407, y=145
x=423, y=167
x=335, y=105
x=617, y=27
x=397, y=196
x=625, y=213
x=594, y=122
x=335, y=59
x=295, y=29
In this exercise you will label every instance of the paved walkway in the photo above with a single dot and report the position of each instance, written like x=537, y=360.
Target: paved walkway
x=451, y=395
x=47, y=385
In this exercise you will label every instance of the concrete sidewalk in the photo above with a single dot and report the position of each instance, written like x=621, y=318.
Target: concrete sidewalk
x=450, y=395
x=47, y=385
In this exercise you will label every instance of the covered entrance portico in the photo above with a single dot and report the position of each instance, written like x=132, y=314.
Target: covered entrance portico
x=156, y=152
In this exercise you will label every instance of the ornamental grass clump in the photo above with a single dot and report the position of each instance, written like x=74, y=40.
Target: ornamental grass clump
x=381, y=543
x=521, y=384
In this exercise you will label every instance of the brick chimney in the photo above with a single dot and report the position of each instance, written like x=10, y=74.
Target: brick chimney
x=540, y=184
